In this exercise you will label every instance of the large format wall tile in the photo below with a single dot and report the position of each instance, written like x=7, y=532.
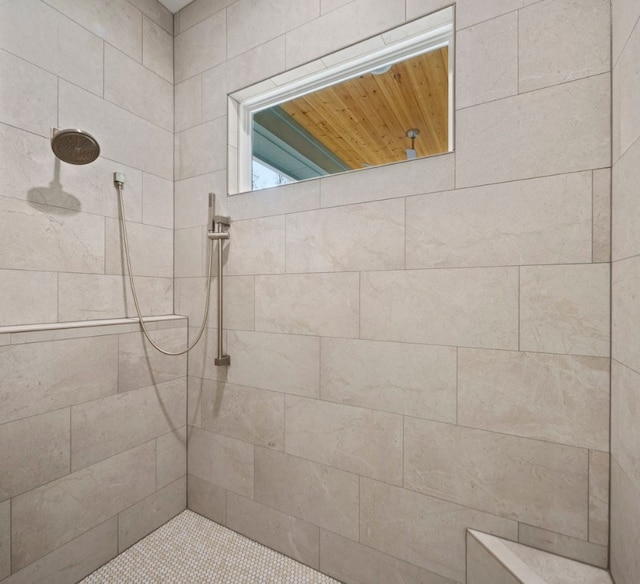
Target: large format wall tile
x=423, y=175
x=146, y=516
x=626, y=312
x=140, y=365
x=200, y=362
x=599, y=478
x=35, y=451
x=28, y=297
x=470, y=307
x=191, y=252
x=245, y=413
x=41, y=35
x=150, y=249
x=207, y=499
x=239, y=301
x=565, y=309
x=279, y=531
x=123, y=136
x=261, y=62
x=340, y=28
x=626, y=88
x=192, y=198
x=625, y=529
x=187, y=106
x=250, y=24
x=200, y=47
x=201, y=149
x=47, y=517
x=197, y=11
x=222, y=461
x=425, y=531
x=74, y=560
x=260, y=358
x=157, y=49
x=319, y=494
x=39, y=237
x=468, y=12
x=37, y=378
x=311, y=304
x=625, y=412
x=626, y=214
x=358, y=440
x=624, y=16
x=537, y=221
x=353, y=563
x=116, y=21
x=156, y=12
x=157, y=201
x=257, y=246
x=602, y=215
x=104, y=427
x=563, y=545
x=558, y=398
x=563, y=40
x=171, y=452
x=30, y=101
x=535, y=134
x=356, y=237
x=300, y=196
x=536, y=482
x=5, y=539
x=133, y=87
x=415, y=380
x=93, y=296
x=487, y=61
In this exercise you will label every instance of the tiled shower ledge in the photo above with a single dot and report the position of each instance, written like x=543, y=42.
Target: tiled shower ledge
x=52, y=326
x=193, y=549
x=525, y=565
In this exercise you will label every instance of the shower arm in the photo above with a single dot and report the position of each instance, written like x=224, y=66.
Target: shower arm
x=217, y=229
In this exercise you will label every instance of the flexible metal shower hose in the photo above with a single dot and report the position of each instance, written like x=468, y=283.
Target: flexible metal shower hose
x=125, y=239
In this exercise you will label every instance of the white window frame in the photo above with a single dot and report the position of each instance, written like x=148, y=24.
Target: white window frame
x=428, y=33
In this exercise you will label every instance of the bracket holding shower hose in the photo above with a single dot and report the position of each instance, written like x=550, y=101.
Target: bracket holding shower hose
x=218, y=229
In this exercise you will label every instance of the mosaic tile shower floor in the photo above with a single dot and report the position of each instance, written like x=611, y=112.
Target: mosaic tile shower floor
x=190, y=549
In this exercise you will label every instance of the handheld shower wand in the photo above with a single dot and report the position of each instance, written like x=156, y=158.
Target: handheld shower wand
x=119, y=179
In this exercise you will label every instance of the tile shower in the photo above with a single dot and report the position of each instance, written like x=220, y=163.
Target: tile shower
x=450, y=313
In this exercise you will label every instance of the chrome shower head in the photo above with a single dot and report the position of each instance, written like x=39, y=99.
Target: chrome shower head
x=74, y=146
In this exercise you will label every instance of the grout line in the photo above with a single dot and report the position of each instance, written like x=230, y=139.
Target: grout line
x=519, y=305
x=402, y=444
x=593, y=219
x=11, y=546
x=457, y=383
x=589, y=495
x=70, y=438
x=516, y=95
x=518, y=52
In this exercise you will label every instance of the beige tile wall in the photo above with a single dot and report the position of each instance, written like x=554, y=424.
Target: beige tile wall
x=625, y=348
x=416, y=348
x=92, y=447
x=105, y=67
x=93, y=425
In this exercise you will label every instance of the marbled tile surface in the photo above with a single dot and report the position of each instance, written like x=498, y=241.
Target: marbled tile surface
x=190, y=548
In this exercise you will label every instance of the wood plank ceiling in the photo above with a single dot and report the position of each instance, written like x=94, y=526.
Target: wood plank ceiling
x=364, y=120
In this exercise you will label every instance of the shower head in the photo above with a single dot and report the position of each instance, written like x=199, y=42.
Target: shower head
x=74, y=146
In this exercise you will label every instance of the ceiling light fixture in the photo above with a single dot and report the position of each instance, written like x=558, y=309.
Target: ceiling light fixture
x=413, y=133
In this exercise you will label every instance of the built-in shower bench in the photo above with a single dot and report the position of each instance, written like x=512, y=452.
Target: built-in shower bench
x=493, y=560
